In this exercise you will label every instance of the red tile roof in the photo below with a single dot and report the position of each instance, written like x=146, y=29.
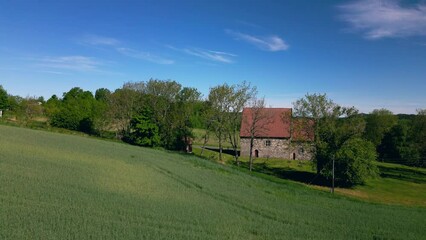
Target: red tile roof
x=277, y=124
x=303, y=129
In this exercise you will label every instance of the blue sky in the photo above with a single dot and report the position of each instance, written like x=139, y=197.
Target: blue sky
x=367, y=54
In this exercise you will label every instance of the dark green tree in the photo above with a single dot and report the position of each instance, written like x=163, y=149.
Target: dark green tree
x=52, y=105
x=419, y=135
x=379, y=122
x=143, y=130
x=4, y=99
x=102, y=94
x=404, y=143
x=77, y=111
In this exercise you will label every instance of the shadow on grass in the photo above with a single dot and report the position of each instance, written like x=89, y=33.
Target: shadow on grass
x=403, y=174
x=224, y=150
x=392, y=172
x=290, y=174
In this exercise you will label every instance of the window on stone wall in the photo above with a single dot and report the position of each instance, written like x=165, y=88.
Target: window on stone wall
x=267, y=143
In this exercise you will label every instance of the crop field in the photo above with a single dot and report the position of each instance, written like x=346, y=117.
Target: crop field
x=57, y=186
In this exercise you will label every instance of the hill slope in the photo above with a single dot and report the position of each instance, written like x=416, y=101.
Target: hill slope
x=55, y=186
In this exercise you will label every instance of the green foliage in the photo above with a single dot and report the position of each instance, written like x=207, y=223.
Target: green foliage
x=31, y=107
x=76, y=111
x=419, y=135
x=355, y=162
x=405, y=142
x=196, y=117
x=226, y=103
x=143, y=130
x=334, y=127
x=172, y=108
x=4, y=99
x=52, y=106
x=14, y=104
x=56, y=186
x=379, y=122
x=102, y=94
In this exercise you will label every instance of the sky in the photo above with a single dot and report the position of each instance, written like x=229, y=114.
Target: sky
x=368, y=54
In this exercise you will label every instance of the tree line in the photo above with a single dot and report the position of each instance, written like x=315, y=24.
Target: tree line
x=158, y=113
x=155, y=113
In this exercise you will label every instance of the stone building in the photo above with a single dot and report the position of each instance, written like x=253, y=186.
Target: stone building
x=276, y=134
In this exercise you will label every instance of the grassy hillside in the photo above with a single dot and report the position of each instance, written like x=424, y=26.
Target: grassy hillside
x=55, y=186
x=396, y=184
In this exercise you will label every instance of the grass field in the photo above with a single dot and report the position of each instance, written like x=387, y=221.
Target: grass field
x=213, y=141
x=397, y=184
x=56, y=186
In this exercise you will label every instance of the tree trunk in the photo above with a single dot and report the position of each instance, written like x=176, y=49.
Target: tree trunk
x=233, y=141
x=251, y=153
x=236, y=156
x=220, y=147
x=206, y=139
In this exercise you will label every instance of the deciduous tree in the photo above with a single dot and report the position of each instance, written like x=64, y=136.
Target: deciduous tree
x=334, y=127
x=227, y=102
x=379, y=122
x=257, y=119
x=4, y=99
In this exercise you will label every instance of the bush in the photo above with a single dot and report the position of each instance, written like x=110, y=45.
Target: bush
x=355, y=162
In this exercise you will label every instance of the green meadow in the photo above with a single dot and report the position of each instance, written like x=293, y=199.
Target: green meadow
x=58, y=186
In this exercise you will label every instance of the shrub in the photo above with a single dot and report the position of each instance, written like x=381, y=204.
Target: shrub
x=355, y=162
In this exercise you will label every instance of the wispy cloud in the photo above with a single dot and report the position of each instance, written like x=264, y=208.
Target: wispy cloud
x=75, y=63
x=271, y=43
x=52, y=72
x=144, y=56
x=211, y=55
x=113, y=44
x=385, y=18
x=99, y=40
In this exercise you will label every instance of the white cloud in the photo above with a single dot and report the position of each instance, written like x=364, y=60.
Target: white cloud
x=75, y=63
x=52, y=72
x=144, y=56
x=385, y=18
x=210, y=55
x=268, y=43
x=99, y=40
x=216, y=56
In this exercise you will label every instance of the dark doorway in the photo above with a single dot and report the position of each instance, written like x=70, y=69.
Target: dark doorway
x=256, y=153
x=294, y=156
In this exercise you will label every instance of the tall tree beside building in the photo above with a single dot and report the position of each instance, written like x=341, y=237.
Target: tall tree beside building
x=227, y=102
x=257, y=119
x=242, y=94
x=219, y=98
x=334, y=127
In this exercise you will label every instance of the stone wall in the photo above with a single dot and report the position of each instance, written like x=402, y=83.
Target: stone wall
x=277, y=148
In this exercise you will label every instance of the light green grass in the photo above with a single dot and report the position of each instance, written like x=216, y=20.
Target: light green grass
x=55, y=186
x=213, y=140
x=397, y=184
